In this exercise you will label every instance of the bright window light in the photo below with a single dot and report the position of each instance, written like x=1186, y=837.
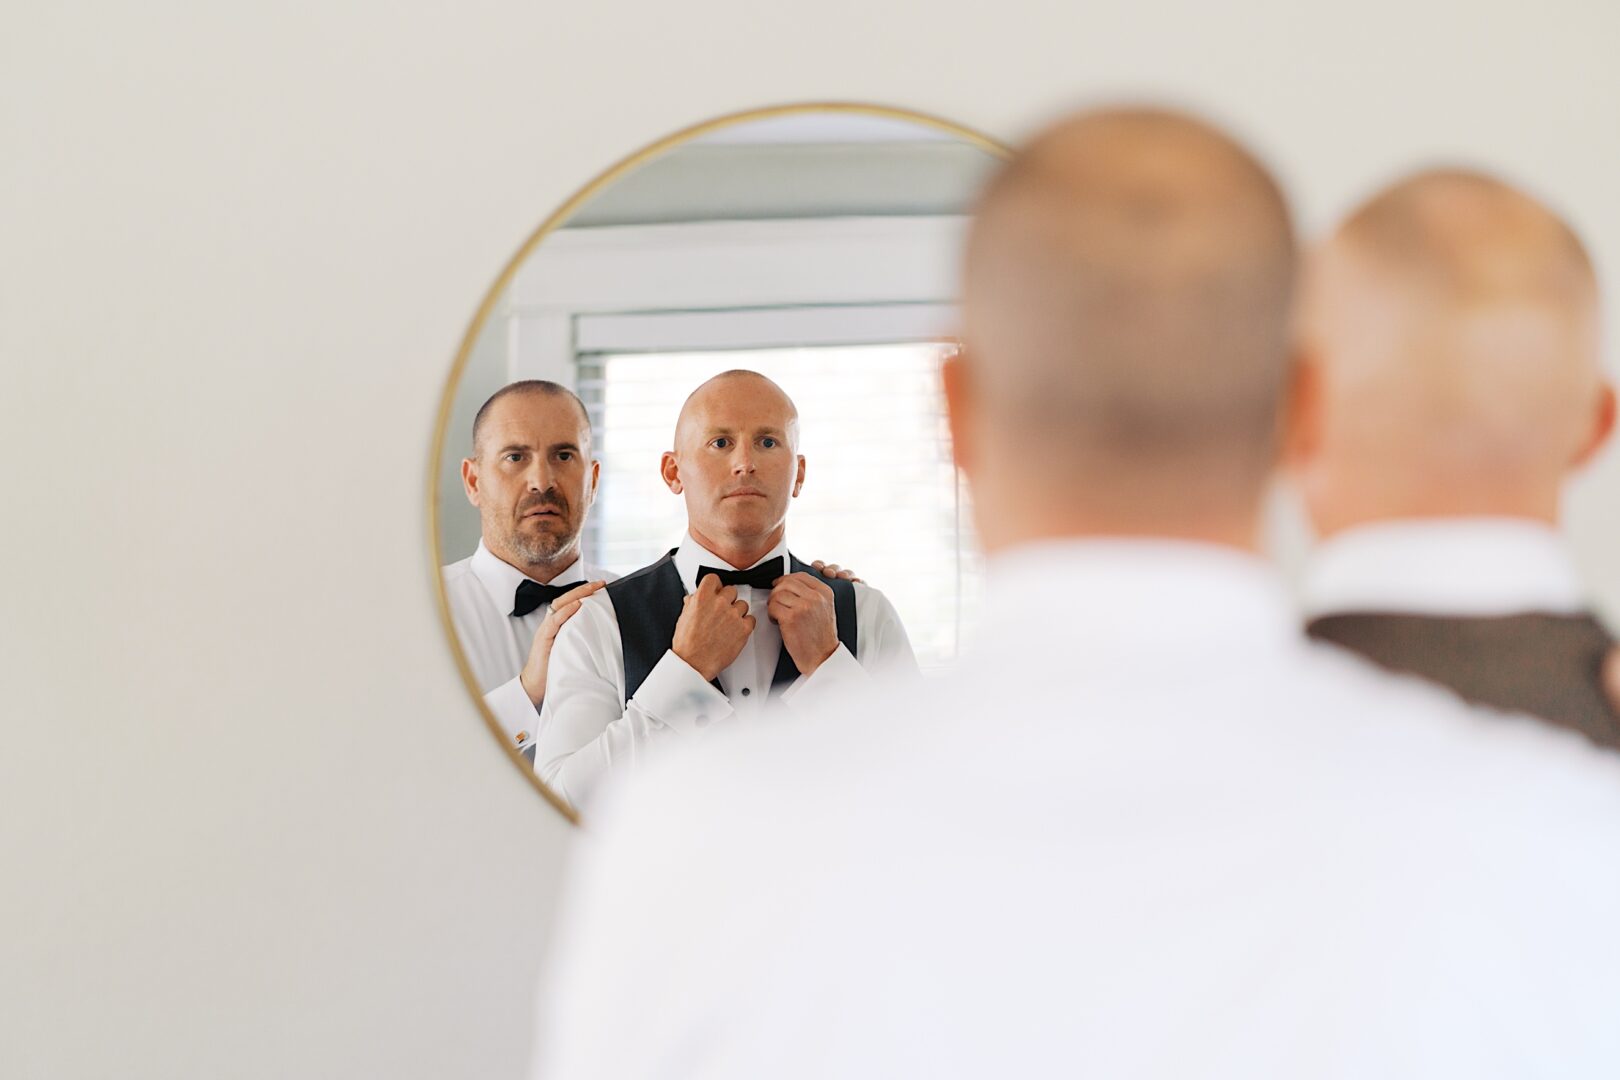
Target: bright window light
x=880, y=495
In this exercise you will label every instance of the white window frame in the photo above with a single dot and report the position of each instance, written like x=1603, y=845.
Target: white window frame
x=763, y=328
x=731, y=284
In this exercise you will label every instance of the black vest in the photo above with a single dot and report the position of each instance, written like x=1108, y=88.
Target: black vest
x=1549, y=666
x=648, y=604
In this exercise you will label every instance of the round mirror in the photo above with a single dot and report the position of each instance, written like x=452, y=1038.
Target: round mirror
x=813, y=248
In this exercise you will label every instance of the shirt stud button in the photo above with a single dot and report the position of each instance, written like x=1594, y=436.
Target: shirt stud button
x=745, y=691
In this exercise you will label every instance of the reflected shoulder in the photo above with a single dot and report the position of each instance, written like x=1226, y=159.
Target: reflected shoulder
x=597, y=607
x=457, y=570
x=871, y=598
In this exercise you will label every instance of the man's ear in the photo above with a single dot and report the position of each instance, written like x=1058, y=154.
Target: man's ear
x=596, y=478
x=798, y=481
x=469, y=479
x=1602, y=426
x=957, y=383
x=1300, y=417
x=670, y=470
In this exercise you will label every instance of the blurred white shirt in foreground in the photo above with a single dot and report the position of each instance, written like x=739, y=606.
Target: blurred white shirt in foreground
x=1143, y=830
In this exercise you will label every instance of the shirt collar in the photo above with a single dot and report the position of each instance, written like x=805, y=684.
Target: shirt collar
x=1453, y=566
x=691, y=555
x=1131, y=597
x=500, y=579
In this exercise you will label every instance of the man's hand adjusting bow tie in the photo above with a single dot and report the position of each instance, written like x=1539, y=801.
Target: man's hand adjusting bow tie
x=713, y=627
x=802, y=606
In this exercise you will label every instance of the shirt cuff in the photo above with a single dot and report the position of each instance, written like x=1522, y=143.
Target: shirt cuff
x=838, y=674
x=678, y=697
x=512, y=709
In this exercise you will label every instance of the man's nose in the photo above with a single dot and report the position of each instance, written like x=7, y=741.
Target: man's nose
x=539, y=475
x=742, y=460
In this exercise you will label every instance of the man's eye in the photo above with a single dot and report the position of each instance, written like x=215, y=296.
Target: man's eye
x=721, y=443
x=768, y=443
x=565, y=455
x=514, y=457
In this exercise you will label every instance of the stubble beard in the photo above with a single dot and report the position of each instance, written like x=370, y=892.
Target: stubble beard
x=546, y=548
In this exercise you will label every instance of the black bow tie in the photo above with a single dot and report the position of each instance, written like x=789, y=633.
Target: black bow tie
x=531, y=594
x=760, y=577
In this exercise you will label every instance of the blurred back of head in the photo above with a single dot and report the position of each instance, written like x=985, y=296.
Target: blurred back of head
x=1125, y=303
x=1450, y=335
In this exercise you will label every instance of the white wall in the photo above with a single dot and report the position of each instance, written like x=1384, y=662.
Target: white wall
x=250, y=826
x=485, y=373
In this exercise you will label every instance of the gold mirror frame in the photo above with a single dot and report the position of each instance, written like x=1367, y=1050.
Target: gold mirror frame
x=441, y=425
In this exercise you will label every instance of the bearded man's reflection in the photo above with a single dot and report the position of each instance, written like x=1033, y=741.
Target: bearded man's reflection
x=532, y=478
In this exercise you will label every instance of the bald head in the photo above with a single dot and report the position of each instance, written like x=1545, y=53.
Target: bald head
x=1452, y=322
x=736, y=464
x=757, y=395
x=1468, y=239
x=1125, y=306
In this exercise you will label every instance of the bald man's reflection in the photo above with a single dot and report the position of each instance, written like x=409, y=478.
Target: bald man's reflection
x=727, y=625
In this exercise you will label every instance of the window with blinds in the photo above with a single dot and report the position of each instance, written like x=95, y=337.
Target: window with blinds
x=880, y=495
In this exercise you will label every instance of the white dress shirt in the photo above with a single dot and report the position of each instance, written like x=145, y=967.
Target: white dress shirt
x=586, y=728
x=1475, y=567
x=481, y=589
x=1162, y=835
